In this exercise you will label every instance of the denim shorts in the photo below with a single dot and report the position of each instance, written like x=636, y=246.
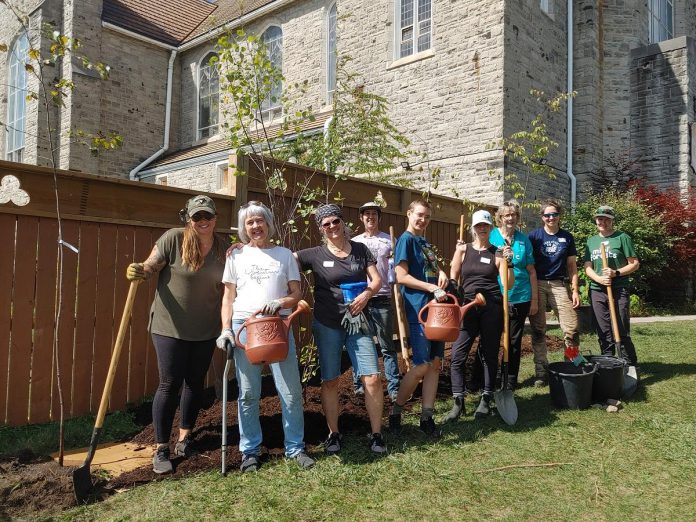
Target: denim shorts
x=330, y=343
x=424, y=350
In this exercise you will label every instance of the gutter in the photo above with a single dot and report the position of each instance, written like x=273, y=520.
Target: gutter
x=569, y=113
x=137, y=36
x=167, y=122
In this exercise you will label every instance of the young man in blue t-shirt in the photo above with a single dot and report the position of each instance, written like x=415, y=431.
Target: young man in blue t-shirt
x=555, y=259
x=420, y=278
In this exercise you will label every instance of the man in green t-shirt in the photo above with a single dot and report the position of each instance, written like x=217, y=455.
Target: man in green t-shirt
x=622, y=261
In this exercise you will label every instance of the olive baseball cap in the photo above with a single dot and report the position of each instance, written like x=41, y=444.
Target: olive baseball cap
x=605, y=211
x=371, y=206
x=200, y=203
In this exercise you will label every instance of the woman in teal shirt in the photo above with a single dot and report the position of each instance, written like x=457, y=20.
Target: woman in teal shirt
x=522, y=297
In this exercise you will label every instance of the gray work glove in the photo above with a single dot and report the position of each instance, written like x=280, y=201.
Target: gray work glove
x=135, y=272
x=226, y=336
x=439, y=294
x=271, y=308
x=355, y=324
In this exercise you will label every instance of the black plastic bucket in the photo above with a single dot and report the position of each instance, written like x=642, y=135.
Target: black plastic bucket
x=609, y=378
x=571, y=386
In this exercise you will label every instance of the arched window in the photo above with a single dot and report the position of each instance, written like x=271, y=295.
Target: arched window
x=331, y=53
x=16, y=99
x=208, y=98
x=272, y=39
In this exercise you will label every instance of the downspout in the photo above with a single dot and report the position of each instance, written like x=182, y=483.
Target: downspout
x=327, y=124
x=569, y=112
x=167, y=121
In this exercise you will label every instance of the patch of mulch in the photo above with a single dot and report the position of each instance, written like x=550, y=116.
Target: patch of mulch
x=30, y=484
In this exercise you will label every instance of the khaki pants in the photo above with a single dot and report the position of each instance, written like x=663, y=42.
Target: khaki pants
x=554, y=294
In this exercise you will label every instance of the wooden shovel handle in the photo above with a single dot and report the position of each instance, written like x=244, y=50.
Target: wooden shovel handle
x=400, y=314
x=461, y=227
x=610, y=295
x=506, y=308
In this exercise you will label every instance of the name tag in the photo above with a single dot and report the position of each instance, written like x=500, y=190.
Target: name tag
x=486, y=260
x=561, y=240
x=328, y=264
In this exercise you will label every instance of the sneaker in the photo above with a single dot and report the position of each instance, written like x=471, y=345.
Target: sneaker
x=377, y=444
x=484, y=407
x=428, y=427
x=303, y=460
x=160, y=461
x=395, y=421
x=184, y=448
x=540, y=382
x=333, y=444
x=250, y=463
x=457, y=410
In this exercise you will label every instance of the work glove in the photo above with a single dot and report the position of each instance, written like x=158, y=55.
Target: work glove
x=225, y=336
x=439, y=294
x=355, y=324
x=135, y=272
x=271, y=308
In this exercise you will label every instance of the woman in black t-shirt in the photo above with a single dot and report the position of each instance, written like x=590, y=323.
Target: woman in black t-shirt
x=477, y=266
x=338, y=323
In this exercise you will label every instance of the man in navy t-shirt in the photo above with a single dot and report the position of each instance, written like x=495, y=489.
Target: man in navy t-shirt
x=555, y=260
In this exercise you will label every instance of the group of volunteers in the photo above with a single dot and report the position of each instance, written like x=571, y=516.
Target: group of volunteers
x=208, y=287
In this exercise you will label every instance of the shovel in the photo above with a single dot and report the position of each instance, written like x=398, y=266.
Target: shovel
x=229, y=350
x=630, y=374
x=82, y=480
x=504, y=400
x=406, y=353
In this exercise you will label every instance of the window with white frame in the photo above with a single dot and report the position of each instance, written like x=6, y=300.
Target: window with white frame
x=331, y=57
x=208, y=98
x=16, y=99
x=660, y=20
x=546, y=6
x=414, y=26
x=272, y=39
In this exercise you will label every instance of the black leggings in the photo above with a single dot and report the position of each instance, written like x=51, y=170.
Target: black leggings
x=487, y=321
x=180, y=362
x=518, y=315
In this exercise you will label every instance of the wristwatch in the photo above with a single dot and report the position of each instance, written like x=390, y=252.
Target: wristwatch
x=617, y=273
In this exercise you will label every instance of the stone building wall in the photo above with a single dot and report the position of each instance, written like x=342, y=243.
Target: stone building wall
x=662, y=93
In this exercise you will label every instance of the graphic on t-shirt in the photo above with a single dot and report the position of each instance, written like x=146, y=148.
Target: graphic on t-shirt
x=261, y=273
x=550, y=248
x=431, y=270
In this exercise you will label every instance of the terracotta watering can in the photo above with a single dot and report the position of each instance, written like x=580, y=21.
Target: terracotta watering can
x=267, y=337
x=444, y=319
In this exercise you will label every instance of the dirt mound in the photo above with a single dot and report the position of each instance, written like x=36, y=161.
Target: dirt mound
x=30, y=485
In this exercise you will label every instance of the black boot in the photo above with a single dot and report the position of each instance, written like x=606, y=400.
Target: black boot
x=457, y=410
x=484, y=407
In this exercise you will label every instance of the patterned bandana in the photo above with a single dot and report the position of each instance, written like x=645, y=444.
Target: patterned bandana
x=325, y=211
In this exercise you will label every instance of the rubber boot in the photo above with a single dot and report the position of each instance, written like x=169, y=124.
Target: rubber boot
x=484, y=407
x=457, y=410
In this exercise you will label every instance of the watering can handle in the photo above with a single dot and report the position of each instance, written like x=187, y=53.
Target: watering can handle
x=420, y=314
x=236, y=336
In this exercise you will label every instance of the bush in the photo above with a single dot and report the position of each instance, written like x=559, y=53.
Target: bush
x=651, y=239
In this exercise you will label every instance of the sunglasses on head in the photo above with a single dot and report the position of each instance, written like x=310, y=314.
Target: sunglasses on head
x=202, y=215
x=552, y=214
x=331, y=223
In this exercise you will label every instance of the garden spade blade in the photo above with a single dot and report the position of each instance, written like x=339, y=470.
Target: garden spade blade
x=630, y=381
x=504, y=400
x=82, y=480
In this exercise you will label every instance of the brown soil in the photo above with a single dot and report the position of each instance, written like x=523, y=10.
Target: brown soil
x=30, y=485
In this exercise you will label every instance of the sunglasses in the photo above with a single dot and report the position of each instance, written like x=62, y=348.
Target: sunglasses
x=331, y=223
x=202, y=215
x=552, y=214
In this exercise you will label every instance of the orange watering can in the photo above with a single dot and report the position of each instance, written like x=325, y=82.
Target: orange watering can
x=444, y=319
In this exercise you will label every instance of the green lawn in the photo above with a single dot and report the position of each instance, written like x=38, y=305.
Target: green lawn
x=639, y=464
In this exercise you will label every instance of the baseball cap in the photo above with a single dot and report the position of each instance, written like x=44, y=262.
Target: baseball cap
x=605, y=211
x=371, y=206
x=200, y=203
x=481, y=216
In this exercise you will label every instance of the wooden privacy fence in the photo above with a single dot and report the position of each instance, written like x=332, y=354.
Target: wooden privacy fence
x=111, y=223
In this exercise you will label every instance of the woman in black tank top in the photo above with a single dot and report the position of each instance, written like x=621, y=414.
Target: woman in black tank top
x=476, y=266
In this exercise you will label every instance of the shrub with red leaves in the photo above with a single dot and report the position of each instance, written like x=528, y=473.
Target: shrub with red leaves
x=678, y=212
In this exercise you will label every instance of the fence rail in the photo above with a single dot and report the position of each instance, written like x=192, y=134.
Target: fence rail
x=113, y=222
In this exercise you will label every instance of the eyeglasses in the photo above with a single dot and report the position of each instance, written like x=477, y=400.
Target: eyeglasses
x=202, y=215
x=551, y=214
x=331, y=223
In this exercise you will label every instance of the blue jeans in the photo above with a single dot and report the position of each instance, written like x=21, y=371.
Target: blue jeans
x=286, y=376
x=330, y=343
x=424, y=350
x=381, y=317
